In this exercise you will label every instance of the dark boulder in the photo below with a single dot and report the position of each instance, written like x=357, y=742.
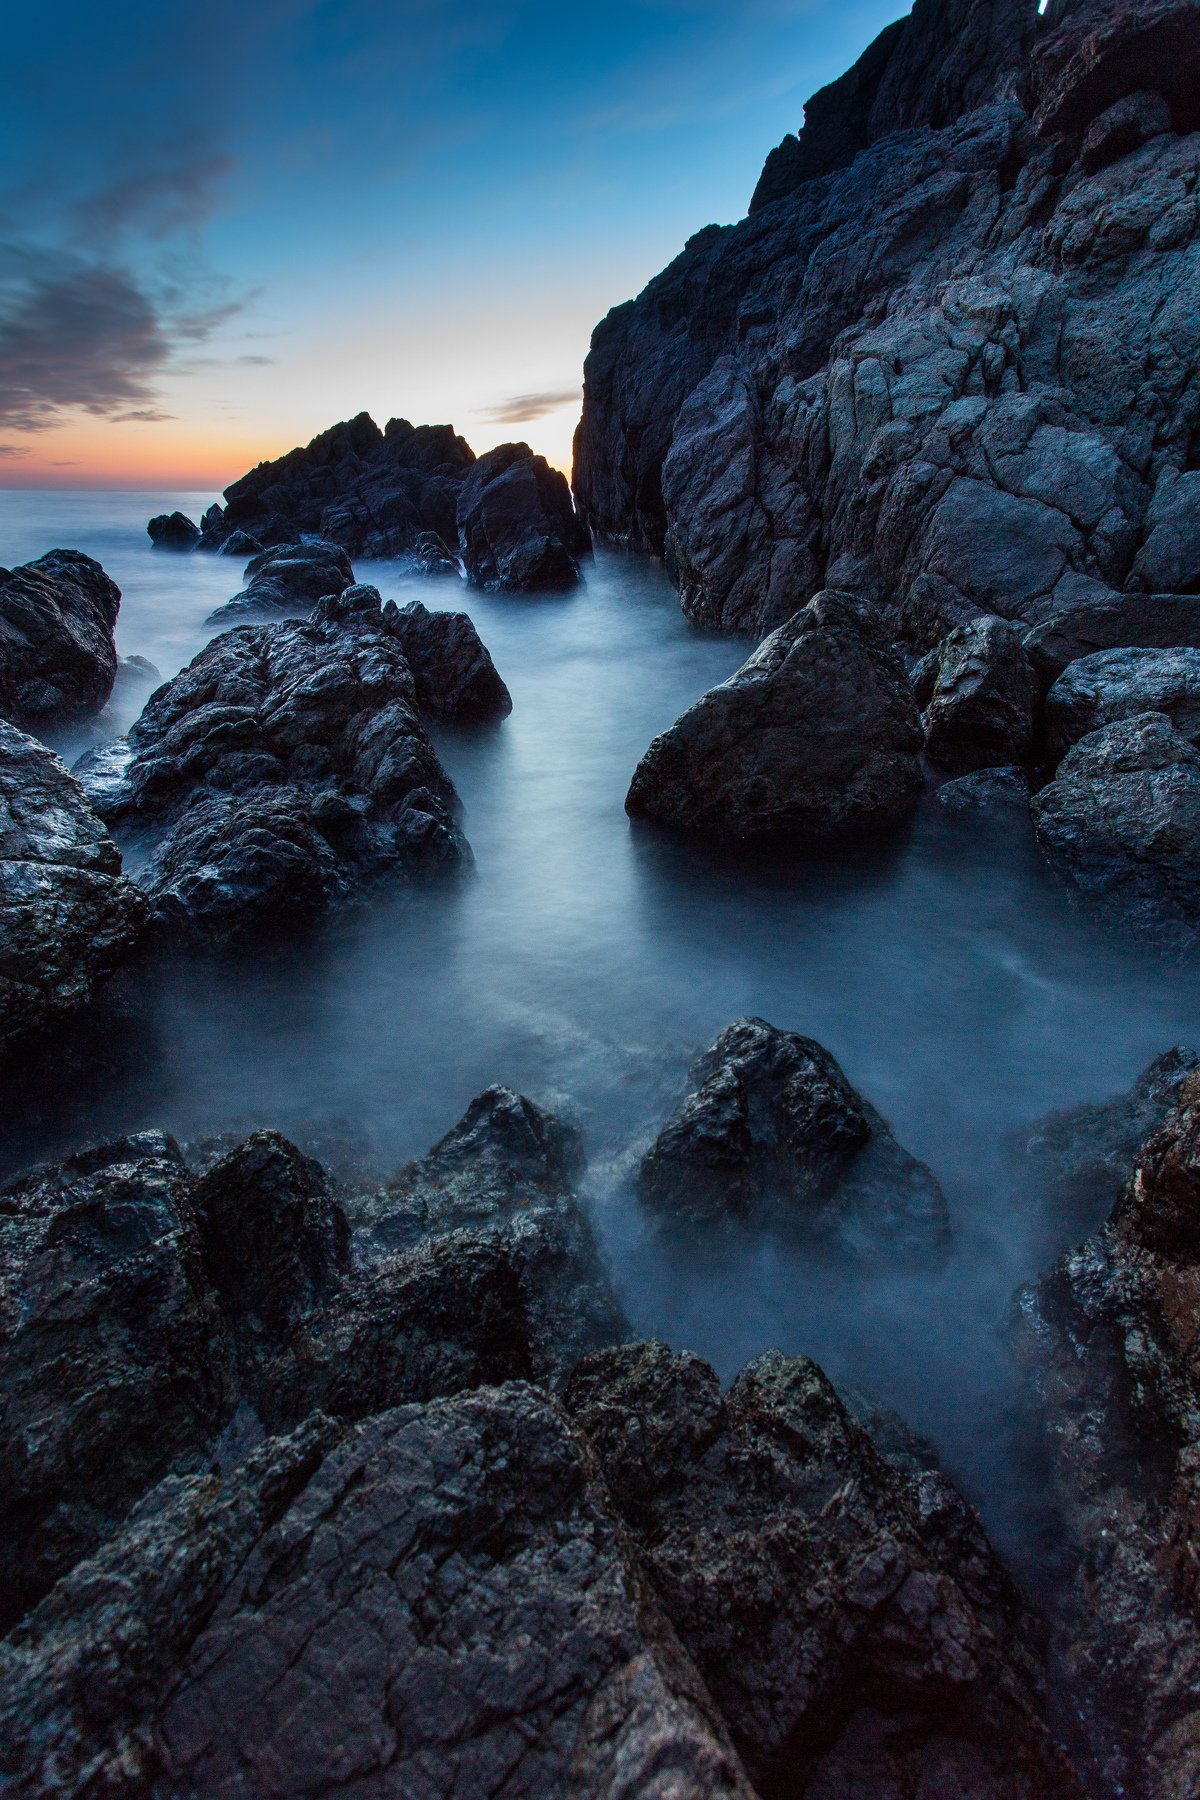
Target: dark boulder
x=287, y=583
x=1109, y=1339
x=772, y=1133
x=1169, y=560
x=68, y=918
x=1121, y=821
x=454, y=674
x=517, y=528
x=1118, y=684
x=816, y=736
x=980, y=714
x=439, y=1600
x=986, y=791
x=284, y=773
x=173, y=531
x=1089, y=618
x=58, y=660
x=850, y=1618
x=1125, y=127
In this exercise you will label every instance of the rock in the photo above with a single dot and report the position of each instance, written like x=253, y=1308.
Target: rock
x=773, y=1134
x=437, y=1600
x=1121, y=821
x=1117, y=684
x=68, y=918
x=905, y=354
x=454, y=674
x=1083, y=1158
x=58, y=660
x=116, y=1360
x=283, y=774
x=849, y=1617
x=1109, y=1339
x=517, y=529
x=376, y=493
x=173, y=531
x=817, y=735
x=238, y=543
x=287, y=583
x=981, y=712
x=1100, y=620
x=986, y=791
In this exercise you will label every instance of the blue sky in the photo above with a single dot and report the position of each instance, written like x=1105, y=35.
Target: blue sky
x=223, y=227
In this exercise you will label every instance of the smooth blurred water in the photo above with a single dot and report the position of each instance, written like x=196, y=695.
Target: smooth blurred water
x=586, y=961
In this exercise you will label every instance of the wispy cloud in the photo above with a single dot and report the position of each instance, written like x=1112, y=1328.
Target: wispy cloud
x=521, y=409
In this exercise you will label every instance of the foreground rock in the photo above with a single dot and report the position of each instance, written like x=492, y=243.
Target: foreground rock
x=453, y=670
x=816, y=736
x=938, y=343
x=1109, y=1339
x=58, y=659
x=282, y=775
x=1121, y=821
x=987, y=791
x=517, y=527
x=980, y=714
x=287, y=583
x=173, y=531
x=68, y=918
x=773, y=1134
x=850, y=1618
x=1118, y=684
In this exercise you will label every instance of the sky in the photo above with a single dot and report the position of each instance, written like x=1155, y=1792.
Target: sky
x=226, y=225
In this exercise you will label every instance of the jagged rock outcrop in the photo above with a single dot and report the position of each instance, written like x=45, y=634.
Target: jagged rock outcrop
x=771, y=1133
x=287, y=583
x=68, y=918
x=517, y=527
x=173, y=531
x=58, y=658
x=1121, y=821
x=953, y=342
x=981, y=712
x=281, y=775
x=1118, y=684
x=849, y=1616
x=817, y=735
x=453, y=670
x=1109, y=1340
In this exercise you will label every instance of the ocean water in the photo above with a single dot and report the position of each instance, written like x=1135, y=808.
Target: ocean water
x=585, y=961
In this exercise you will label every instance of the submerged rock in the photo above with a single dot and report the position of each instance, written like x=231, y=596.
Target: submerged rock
x=987, y=791
x=173, y=531
x=454, y=674
x=1121, y=821
x=849, y=1617
x=58, y=659
x=1118, y=684
x=980, y=714
x=772, y=1133
x=1109, y=1340
x=283, y=773
x=816, y=736
x=287, y=582
x=517, y=527
x=68, y=918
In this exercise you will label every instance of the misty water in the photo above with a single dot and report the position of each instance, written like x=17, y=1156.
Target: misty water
x=585, y=961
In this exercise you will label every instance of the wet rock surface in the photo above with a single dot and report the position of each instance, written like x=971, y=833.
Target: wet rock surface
x=68, y=918
x=1109, y=1341
x=1121, y=822
x=1118, y=684
x=980, y=714
x=287, y=582
x=454, y=674
x=1097, y=619
x=1004, y=790
x=517, y=527
x=815, y=736
x=772, y=1133
x=58, y=660
x=282, y=774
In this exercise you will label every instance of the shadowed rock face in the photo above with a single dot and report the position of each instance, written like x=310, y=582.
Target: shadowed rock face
x=1109, y=1339
x=58, y=660
x=287, y=583
x=773, y=1134
x=67, y=916
x=173, y=531
x=816, y=736
x=980, y=714
x=453, y=670
x=517, y=529
x=954, y=340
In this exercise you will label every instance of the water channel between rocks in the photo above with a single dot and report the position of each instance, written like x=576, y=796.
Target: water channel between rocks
x=585, y=961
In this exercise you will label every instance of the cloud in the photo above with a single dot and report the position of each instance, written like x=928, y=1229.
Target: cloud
x=521, y=409
x=14, y=449
x=80, y=333
x=257, y=362
x=146, y=415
